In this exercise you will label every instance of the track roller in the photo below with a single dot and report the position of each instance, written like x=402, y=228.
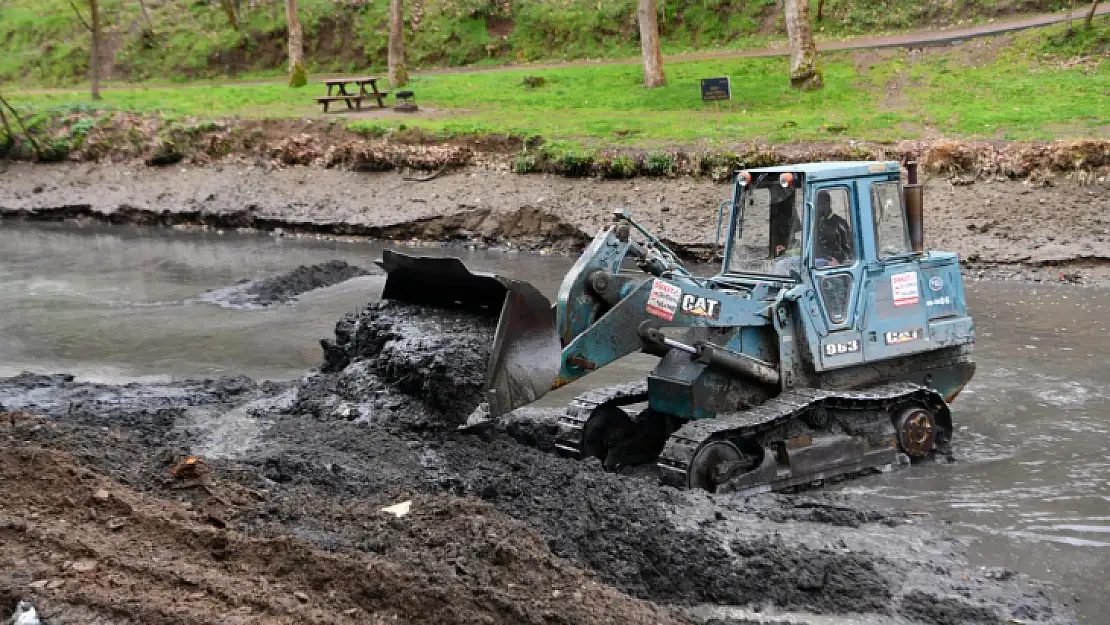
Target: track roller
x=917, y=432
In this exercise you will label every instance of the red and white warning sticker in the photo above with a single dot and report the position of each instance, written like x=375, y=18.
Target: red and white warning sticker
x=663, y=300
x=904, y=288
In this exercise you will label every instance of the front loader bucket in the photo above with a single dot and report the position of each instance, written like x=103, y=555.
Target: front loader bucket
x=526, y=353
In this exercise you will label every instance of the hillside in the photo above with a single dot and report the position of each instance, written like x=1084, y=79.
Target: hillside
x=45, y=44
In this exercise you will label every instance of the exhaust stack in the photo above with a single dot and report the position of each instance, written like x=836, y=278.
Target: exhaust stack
x=913, y=195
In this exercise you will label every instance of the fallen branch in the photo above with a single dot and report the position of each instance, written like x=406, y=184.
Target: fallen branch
x=26, y=133
x=77, y=12
x=435, y=175
x=9, y=140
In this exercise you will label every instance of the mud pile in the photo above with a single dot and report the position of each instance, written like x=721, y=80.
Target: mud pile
x=499, y=531
x=392, y=355
x=284, y=288
x=83, y=549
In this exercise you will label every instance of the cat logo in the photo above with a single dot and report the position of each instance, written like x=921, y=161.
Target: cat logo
x=701, y=306
x=903, y=336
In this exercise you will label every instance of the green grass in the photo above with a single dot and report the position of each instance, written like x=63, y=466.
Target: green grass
x=1026, y=93
x=45, y=44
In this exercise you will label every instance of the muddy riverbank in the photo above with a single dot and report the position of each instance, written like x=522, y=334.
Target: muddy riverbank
x=283, y=520
x=1053, y=230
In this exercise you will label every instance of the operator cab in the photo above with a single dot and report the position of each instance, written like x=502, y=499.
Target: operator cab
x=844, y=239
x=786, y=222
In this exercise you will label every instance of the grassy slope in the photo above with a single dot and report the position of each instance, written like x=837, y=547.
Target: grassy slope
x=45, y=44
x=1028, y=91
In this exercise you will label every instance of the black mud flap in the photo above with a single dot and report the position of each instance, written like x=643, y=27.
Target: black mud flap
x=526, y=353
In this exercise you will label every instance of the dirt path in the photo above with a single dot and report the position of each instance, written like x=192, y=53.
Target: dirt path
x=1052, y=230
x=919, y=38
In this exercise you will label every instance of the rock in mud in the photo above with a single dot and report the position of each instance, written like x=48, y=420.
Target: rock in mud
x=284, y=288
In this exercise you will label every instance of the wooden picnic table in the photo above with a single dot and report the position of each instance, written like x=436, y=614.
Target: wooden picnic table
x=353, y=100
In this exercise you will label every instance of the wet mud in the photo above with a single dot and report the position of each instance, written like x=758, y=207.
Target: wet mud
x=284, y=288
x=1049, y=230
x=287, y=524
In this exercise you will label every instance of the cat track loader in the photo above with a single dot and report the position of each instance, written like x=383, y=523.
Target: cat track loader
x=828, y=343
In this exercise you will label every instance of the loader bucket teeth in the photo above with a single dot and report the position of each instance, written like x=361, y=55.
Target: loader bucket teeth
x=526, y=352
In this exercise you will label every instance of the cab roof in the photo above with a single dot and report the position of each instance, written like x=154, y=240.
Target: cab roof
x=834, y=169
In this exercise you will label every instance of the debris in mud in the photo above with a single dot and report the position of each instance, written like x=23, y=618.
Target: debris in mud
x=284, y=288
x=398, y=510
x=189, y=468
x=25, y=614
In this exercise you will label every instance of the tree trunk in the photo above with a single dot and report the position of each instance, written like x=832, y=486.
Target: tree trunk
x=146, y=17
x=1071, y=5
x=649, y=45
x=820, y=10
x=94, y=53
x=9, y=137
x=805, y=74
x=398, y=76
x=297, y=77
x=1090, y=15
x=233, y=17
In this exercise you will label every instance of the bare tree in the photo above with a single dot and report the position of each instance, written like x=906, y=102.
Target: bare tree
x=297, y=76
x=146, y=17
x=1090, y=14
x=93, y=26
x=805, y=74
x=232, y=13
x=649, y=45
x=398, y=75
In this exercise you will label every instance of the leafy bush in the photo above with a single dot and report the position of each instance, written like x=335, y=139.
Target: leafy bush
x=524, y=163
x=622, y=167
x=659, y=164
x=576, y=164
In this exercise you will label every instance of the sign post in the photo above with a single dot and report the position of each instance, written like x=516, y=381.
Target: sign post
x=714, y=90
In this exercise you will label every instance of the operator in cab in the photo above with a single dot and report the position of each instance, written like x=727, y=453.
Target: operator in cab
x=834, y=236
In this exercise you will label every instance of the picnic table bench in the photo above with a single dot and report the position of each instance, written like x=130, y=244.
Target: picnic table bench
x=353, y=100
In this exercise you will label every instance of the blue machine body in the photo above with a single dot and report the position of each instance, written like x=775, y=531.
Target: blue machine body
x=877, y=318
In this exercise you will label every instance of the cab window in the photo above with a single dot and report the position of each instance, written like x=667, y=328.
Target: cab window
x=768, y=237
x=834, y=244
x=891, y=234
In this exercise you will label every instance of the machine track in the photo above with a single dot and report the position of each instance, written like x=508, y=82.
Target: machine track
x=815, y=421
x=799, y=437
x=573, y=422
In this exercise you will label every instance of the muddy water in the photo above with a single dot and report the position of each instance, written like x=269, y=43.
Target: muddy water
x=1031, y=487
x=112, y=304
x=1030, y=490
